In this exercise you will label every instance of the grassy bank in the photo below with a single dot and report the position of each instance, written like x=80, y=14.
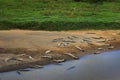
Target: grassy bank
x=57, y=15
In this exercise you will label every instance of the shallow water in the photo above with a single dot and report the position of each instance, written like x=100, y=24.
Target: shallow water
x=105, y=66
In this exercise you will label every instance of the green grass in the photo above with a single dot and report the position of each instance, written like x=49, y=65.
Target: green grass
x=57, y=15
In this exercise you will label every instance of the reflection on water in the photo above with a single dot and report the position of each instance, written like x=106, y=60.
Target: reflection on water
x=105, y=66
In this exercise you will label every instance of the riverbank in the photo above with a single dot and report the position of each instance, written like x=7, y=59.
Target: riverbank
x=22, y=49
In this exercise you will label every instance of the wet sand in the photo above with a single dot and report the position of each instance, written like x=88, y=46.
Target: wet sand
x=22, y=49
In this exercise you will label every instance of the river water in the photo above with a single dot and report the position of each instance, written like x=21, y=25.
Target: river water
x=104, y=66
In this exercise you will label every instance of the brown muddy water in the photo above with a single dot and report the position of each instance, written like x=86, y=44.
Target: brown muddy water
x=104, y=66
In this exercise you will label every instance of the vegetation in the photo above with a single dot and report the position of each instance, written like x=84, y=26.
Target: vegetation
x=95, y=3
x=57, y=15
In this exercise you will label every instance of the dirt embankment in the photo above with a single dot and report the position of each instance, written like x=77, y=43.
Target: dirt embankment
x=22, y=49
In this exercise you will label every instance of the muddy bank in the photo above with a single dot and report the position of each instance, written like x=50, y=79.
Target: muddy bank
x=23, y=49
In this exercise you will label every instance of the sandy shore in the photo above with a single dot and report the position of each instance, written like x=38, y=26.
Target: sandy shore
x=21, y=49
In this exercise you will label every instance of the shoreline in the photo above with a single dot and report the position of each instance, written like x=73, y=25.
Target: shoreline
x=43, y=62
x=14, y=58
